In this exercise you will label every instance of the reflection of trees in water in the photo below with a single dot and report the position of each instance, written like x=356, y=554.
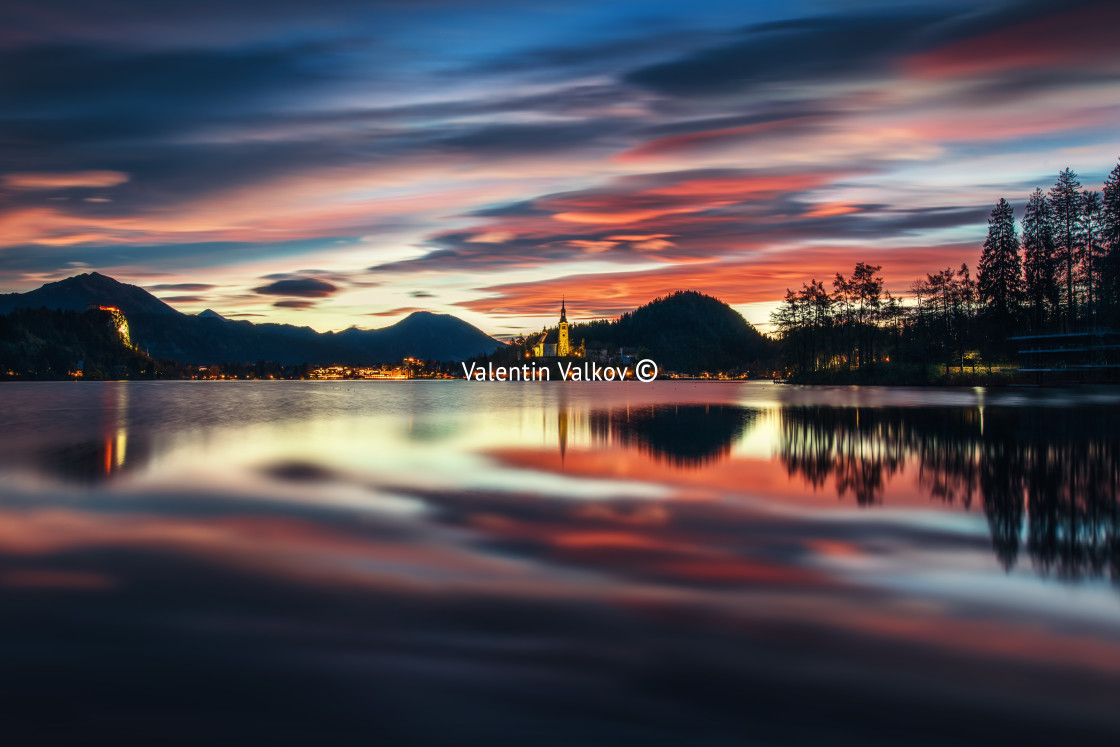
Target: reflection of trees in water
x=684, y=435
x=1056, y=469
x=860, y=453
x=1072, y=486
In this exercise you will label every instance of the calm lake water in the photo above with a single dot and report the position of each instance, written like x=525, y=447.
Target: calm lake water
x=427, y=562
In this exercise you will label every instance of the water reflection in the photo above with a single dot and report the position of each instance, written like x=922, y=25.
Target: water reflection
x=686, y=436
x=1056, y=471
x=1046, y=478
x=91, y=462
x=442, y=563
x=92, y=447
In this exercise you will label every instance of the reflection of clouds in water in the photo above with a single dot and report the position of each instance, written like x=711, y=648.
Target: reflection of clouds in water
x=314, y=569
x=600, y=443
x=528, y=610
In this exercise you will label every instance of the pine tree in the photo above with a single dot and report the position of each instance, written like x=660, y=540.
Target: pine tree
x=1039, y=265
x=1110, y=237
x=867, y=289
x=1066, y=209
x=1092, y=251
x=1000, y=279
x=964, y=310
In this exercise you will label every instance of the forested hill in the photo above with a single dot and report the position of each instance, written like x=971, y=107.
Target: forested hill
x=50, y=344
x=685, y=331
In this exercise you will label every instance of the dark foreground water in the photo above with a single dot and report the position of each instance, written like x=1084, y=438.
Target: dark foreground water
x=557, y=564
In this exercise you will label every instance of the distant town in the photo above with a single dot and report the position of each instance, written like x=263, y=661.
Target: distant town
x=92, y=327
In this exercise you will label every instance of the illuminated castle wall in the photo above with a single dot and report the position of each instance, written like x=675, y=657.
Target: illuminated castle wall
x=119, y=320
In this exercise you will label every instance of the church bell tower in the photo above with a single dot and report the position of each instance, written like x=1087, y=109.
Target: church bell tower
x=563, y=347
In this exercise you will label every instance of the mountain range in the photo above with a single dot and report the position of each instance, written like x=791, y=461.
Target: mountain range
x=208, y=337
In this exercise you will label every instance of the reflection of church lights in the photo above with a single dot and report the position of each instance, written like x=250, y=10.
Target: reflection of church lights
x=122, y=444
x=563, y=428
x=115, y=450
x=115, y=419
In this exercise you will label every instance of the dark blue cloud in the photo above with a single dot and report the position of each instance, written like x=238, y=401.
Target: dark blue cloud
x=789, y=51
x=194, y=287
x=61, y=79
x=191, y=99
x=519, y=139
x=303, y=287
x=186, y=256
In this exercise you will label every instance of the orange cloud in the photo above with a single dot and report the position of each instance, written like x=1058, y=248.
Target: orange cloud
x=828, y=209
x=493, y=237
x=687, y=217
x=770, y=184
x=622, y=217
x=980, y=125
x=593, y=247
x=52, y=227
x=761, y=278
x=653, y=245
x=60, y=180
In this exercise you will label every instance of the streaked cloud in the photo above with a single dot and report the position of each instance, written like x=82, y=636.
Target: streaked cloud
x=226, y=147
x=64, y=180
x=302, y=287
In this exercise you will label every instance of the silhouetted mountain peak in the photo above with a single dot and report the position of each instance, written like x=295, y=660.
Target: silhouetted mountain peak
x=88, y=280
x=434, y=332
x=198, y=338
x=77, y=292
x=422, y=317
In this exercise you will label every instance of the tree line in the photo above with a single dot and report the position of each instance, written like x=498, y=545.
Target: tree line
x=1056, y=271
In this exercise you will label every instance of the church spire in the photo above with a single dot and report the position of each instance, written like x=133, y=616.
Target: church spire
x=563, y=312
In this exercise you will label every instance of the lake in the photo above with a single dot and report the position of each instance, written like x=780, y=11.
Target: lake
x=451, y=562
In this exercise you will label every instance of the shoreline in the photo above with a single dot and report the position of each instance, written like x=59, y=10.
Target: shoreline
x=944, y=385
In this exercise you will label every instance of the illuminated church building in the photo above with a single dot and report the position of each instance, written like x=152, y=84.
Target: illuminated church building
x=555, y=343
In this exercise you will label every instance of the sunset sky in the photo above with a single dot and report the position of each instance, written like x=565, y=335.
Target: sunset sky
x=345, y=162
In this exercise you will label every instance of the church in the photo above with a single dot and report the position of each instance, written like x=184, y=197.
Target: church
x=555, y=343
